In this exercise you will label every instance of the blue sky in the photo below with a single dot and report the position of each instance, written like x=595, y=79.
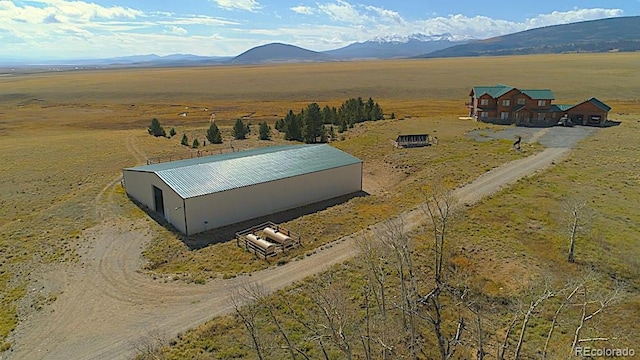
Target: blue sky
x=60, y=29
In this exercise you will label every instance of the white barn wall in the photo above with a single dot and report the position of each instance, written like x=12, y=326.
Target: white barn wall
x=139, y=185
x=228, y=207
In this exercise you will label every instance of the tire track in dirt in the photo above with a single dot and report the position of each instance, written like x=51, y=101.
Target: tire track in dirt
x=107, y=303
x=105, y=196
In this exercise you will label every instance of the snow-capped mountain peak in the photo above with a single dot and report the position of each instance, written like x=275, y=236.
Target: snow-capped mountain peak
x=418, y=37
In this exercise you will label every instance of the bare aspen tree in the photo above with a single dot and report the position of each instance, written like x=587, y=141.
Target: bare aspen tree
x=395, y=238
x=314, y=327
x=480, y=353
x=476, y=310
x=374, y=260
x=332, y=303
x=439, y=208
x=591, y=308
x=245, y=307
x=366, y=337
x=150, y=346
x=258, y=298
x=546, y=294
x=554, y=320
x=505, y=344
x=577, y=217
x=272, y=314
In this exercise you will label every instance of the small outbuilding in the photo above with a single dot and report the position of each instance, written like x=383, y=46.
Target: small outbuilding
x=412, y=140
x=203, y=193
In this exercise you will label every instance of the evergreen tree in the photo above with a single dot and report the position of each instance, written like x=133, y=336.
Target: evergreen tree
x=185, y=140
x=369, y=110
x=292, y=127
x=312, y=124
x=239, y=130
x=323, y=135
x=280, y=125
x=265, y=131
x=332, y=133
x=334, y=116
x=328, y=115
x=343, y=126
x=196, y=144
x=156, y=129
x=213, y=134
x=172, y=133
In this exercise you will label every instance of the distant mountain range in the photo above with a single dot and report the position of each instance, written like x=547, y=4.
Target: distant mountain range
x=396, y=47
x=606, y=35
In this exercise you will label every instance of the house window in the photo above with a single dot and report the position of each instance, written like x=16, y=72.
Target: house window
x=484, y=115
x=504, y=115
x=506, y=102
x=542, y=102
x=553, y=115
x=540, y=116
x=484, y=101
x=521, y=101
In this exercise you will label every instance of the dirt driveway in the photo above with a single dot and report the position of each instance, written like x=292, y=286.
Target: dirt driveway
x=105, y=304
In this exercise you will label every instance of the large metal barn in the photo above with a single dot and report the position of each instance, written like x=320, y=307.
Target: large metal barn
x=202, y=193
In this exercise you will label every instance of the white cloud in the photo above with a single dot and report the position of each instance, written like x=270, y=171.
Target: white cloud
x=386, y=15
x=248, y=5
x=565, y=17
x=176, y=30
x=68, y=28
x=342, y=11
x=304, y=10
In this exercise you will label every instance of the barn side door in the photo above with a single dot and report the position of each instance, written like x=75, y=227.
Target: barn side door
x=158, y=200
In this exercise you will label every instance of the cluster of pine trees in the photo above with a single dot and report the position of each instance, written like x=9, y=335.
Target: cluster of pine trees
x=309, y=124
x=240, y=131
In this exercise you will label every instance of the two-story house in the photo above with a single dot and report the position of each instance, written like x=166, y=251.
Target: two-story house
x=505, y=104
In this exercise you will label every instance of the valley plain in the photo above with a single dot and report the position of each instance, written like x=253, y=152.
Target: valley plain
x=65, y=136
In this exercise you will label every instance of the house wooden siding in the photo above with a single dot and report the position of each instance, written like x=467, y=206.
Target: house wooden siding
x=488, y=104
x=587, y=113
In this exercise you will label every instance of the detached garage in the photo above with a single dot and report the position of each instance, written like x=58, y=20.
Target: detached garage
x=202, y=193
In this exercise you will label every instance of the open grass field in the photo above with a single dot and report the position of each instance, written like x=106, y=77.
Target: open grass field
x=65, y=136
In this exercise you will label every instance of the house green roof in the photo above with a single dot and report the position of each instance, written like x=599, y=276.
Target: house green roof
x=204, y=175
x=560, y=107
x=539, y=94
x=493, y=91
x=499, y=90
x=599, y=104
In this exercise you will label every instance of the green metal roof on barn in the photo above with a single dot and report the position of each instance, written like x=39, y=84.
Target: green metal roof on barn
x=204, y=175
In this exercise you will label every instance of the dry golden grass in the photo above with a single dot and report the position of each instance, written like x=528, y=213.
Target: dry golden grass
x=65, y=136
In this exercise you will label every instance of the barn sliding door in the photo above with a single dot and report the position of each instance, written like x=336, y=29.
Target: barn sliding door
x=158, y=200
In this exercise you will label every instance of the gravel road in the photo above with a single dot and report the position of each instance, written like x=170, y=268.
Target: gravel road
x=105, y=304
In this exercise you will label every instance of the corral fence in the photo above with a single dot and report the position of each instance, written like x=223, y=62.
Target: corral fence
x=190, y=155
x=267, y=239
